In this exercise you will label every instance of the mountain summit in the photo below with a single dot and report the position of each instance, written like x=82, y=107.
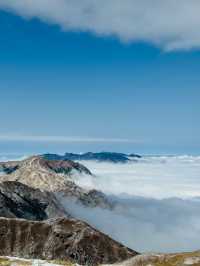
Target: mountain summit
x=37, y=172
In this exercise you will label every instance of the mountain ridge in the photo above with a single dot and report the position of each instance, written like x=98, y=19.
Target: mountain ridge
x=48, y=231
x=113, y=157
x=60, y=239
x=40, y=173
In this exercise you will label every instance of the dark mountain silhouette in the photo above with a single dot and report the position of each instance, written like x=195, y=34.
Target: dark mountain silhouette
x=100, y=156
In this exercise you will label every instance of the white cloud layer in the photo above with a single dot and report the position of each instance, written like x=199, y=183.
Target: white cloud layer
x=169, y=24
x=152, y=177
x=146, y=225
x=157, y=203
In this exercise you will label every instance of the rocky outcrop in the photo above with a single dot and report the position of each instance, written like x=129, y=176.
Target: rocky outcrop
x=64, y=166
x=63, y=239
x=20, y=201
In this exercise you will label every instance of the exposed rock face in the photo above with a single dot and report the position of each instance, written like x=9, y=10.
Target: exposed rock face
x=20, y=201
x=113, y=157
x=64, y=166
x=40, y=173
x=59, y=239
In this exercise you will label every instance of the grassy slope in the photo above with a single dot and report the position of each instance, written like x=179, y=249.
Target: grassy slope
x=182, y=259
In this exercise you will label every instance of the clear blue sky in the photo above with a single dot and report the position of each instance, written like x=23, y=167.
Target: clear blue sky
x=131, y=97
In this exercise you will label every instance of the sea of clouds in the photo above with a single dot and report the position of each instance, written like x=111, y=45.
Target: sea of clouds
x=158, y=202
x=157, y=177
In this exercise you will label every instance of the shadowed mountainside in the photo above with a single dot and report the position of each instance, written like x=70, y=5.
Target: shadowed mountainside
x=20, y=201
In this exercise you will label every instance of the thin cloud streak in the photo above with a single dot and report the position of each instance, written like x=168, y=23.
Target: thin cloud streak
x=63, y=139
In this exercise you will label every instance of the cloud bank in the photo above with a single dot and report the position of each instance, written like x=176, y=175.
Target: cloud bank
x=151, y=177
x=168, y=24
x=146, y=225
x=157, y=202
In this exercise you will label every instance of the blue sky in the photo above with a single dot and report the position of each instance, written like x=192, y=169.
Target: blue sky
x=84, y=92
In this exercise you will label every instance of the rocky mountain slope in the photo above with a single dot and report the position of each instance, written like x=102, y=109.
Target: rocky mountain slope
x=40, y=173
x=53, y=176
x=63, y=239
x=56, y=238
x=100, y=156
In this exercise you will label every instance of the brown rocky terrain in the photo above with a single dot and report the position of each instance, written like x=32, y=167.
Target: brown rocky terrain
x=59, y=239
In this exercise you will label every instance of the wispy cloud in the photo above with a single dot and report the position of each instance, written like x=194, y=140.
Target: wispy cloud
x=64, y=139
x=169, y=24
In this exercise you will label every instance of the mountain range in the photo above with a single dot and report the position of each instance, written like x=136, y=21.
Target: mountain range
x=35, y=224
x=113, y=157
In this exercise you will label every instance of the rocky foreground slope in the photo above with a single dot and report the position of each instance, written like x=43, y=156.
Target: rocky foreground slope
x=60, y=239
